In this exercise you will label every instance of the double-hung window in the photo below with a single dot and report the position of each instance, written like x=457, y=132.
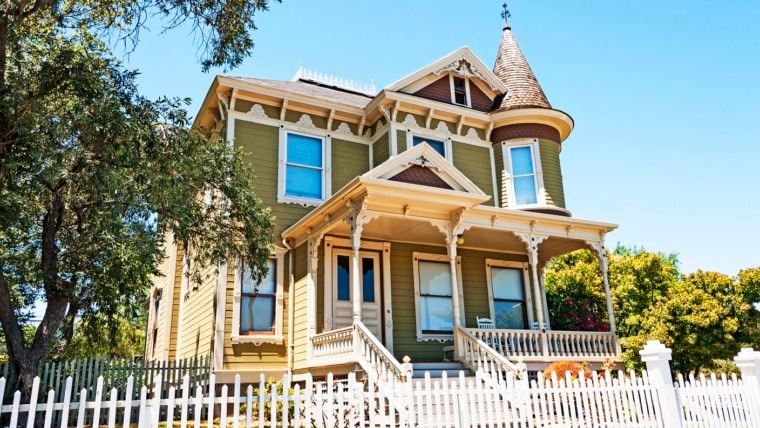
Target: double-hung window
x=523, y=167
x=433, y=297
x=258, y=305
x=304, y=167
x=460, y=91
x=437, y=145
x=258, y=302
x=507, y=289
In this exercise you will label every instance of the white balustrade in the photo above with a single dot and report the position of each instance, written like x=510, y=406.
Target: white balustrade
x=334, y=342
x=561, y=344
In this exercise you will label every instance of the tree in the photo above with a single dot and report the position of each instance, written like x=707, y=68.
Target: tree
x=93, y=176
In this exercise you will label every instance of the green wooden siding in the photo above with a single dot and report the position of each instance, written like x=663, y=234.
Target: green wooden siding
x=380, y=150
x=404, y=315
x=475, y=282
x=555, y=193
x=245, y=106
x=475, y=163
x=400, y=141
x=348, y=161
x=299, y=305
x=498, y=157
x=261, y=144
x=474, y=290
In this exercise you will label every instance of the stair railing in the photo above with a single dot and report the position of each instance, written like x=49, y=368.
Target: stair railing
x=478, y=355
x=375, y=358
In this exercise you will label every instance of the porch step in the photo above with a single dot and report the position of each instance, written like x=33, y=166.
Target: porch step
x=436, y=370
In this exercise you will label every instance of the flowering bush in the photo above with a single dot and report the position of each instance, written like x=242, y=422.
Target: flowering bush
x=562, y=367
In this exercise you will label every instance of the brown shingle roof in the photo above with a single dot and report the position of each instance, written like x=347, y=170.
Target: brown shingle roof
x=523, y=90
x=311, y=90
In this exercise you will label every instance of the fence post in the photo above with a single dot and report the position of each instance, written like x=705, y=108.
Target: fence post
x=748, y=361
x=657, y=358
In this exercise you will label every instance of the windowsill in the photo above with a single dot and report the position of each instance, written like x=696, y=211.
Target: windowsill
x=307, y=202
x=435, y=337
x=257, y=339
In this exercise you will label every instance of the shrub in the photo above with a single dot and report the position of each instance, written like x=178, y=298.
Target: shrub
x=562, y=367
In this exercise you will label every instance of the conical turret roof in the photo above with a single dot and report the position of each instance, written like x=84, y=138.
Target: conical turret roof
x=523, y=90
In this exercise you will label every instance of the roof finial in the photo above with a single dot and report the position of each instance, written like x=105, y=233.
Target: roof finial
x=506, y=15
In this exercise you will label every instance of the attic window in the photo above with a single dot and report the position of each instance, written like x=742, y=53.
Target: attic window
x=460, y=91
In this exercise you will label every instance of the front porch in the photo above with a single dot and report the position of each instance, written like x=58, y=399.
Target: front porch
x=396, y=269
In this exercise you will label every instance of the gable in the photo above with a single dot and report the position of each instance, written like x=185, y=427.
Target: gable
x=422, y=176
x=422, y=165
x=440, y=90
x=432, y=81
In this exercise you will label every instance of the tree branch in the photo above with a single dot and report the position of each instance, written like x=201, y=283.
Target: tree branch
x=8, y=319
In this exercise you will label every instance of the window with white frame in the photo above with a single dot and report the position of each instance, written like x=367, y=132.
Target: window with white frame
x=521, y=160
x=437, y=145
x=258, y=302
x=258, y=305
x=506, y=287
x=460, y=91
x=302, y=179
x=434, y=305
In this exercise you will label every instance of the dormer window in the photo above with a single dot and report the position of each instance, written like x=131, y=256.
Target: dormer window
x=460, y=91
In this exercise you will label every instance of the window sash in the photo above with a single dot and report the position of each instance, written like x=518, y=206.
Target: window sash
x=435, y=303
x=437, y=145
x=522, y=164
x=304, y=166
x=258, y=299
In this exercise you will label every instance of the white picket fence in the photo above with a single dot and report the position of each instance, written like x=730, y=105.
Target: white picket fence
x=648, y=399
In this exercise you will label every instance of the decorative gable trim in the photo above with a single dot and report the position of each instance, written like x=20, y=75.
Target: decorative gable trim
x=462, y=62
x=424, y=156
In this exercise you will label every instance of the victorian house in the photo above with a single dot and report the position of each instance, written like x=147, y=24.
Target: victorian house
x=412, y=222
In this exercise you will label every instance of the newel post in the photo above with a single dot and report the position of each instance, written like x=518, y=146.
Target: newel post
x=748, y=361
x=657, y=358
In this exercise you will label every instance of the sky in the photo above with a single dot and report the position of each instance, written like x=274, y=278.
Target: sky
x=665, y=97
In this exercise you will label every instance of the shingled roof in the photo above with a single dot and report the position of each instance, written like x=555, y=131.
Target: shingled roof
x=523, y=90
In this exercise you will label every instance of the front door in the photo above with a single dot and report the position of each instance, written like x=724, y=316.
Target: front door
x=369, y=275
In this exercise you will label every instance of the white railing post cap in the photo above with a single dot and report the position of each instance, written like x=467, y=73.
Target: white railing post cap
x=747, y=357
x=655, y=351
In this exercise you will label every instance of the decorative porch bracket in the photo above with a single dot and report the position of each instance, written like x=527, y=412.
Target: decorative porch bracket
x=358, y=218
x=601, y=254
x=532, y=241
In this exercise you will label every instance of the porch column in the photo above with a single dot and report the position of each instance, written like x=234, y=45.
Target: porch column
x=601, y=254
x=455, y=229
x=356, y=298
x=311, y=291
x=532, y=241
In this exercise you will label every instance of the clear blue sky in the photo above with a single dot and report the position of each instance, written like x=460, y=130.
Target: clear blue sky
x=665, y=97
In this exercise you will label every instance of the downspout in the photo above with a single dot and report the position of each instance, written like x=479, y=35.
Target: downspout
x=291, y=302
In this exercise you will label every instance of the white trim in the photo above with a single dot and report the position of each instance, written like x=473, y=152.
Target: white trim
x=467, y=96
x=526, y=284
x=442, y=258
x=432, y=159
x=221, y=317
x=387, y=307
x=433, y=135
x=183, y=288
x=494, y=183
x=477, y=69
x=318, y=132
x=326, y=169
x=538, y=179
x=171, y=277
x=277, y=336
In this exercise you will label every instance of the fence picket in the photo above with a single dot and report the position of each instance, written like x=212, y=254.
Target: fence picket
x=601, y=399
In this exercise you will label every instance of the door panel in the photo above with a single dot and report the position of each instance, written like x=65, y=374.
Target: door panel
x=369, y=263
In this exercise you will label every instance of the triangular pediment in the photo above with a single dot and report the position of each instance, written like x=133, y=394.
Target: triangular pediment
x=461, y=62
x=422, y=165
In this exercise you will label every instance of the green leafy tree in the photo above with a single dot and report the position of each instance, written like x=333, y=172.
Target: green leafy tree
x=93, y=175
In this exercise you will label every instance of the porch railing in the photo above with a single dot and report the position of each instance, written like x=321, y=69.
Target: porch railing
x=478, y=355
x=356, y=343
x=550, y=345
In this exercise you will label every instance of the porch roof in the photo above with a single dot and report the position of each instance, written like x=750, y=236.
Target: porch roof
x=407, y=212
